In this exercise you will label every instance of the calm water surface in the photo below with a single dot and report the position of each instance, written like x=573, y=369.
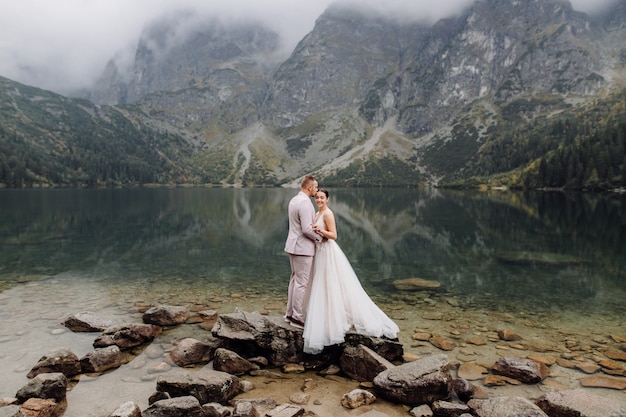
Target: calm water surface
x=65, y=251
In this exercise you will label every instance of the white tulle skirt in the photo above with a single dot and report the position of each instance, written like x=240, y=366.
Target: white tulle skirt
x=337, y=301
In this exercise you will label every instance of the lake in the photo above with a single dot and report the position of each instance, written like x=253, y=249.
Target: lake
x=547, y=256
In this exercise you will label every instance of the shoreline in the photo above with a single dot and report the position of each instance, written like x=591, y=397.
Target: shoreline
x=33, y=313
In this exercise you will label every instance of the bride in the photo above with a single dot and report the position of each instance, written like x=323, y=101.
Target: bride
x=337, y=301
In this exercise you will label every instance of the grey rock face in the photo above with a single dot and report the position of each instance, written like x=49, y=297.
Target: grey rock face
x=127, y=336
x=60, y=360
x=415, y=383
x=579, y=403
x=206, y=385
x=86, y=321
x=102, y=359
x=166, y=315
x=358, y=71
x=45, y=386
x=505, y=407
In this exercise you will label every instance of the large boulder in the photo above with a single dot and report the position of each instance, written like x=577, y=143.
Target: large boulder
x=127, y=336
x=187, y=406
x=100, y=360
x=505, y=407
x=253, y=334
x=45, y=386
x=521, y=369
x=579, y=403
x=59, y=360
x=206, y=385
x=190, y=351
x=362, y=363
x=166, y=315
x=228, y=361
x=86, y=321
x=419, y=382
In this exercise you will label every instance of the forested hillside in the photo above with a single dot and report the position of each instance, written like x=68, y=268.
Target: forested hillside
x=580, y=149
x=49, y=140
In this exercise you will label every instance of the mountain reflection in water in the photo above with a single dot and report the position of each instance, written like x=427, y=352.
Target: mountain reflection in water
x=548, y=265
x=499, y=248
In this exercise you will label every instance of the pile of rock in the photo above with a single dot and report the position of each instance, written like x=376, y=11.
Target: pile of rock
x=251, y=343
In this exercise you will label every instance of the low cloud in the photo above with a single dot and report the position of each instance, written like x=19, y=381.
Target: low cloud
x=63, y=45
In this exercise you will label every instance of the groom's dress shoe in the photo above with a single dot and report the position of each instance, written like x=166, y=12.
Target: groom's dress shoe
x=296, y=323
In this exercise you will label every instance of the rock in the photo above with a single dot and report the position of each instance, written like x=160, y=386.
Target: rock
x=245, y=409
x=416, y=383
x=282, y=342
x=415, y=284
x=545, y=359
x=253, y=334
x=293, y=368
x=285, y=410
x=612, y=365
x=190, y=351
x=476, y=341
x=228, y=361
x=45, y=386
x=100, y=360
x=392, y=350
x=186, y=406
x=616, y=355
x=128, y=409
x=472, y=371
x=499, y=380
x=12, y=410
x=603, y=382
x=508, y=335
x=87, y=321
x=299, y=398
x=588, y=367
x=362, y=363
x=158, y=396
x=38, y=407
x=308, y=385
x=579, y=403
x=262, y=405
x=166, y=315
x=216, y=410
x=441, y=343
x=374, y=413
x=206, y=385
x=357, y=398
x=421, y=411
x=505, y=407
x=463, y=389
x=59, y=360
x=521, y=369
x=448, y=409
x=127, y=336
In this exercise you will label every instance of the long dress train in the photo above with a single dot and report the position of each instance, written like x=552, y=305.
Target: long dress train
x=337, y=301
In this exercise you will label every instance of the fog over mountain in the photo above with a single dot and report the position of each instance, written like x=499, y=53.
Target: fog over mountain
x=65, y=45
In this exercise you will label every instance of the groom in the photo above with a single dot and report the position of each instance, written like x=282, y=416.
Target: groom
x=300, y=246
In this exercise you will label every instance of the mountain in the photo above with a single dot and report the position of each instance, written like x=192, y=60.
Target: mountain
x=364, y=99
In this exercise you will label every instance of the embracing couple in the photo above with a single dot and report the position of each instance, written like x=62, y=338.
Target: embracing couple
x=325, y=296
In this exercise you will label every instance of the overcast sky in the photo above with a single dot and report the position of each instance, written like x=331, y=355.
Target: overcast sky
x=65, y=44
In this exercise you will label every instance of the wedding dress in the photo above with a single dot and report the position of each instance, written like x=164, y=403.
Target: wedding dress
x=337, y=301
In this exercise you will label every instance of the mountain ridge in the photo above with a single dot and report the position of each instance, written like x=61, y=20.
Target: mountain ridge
x=364, y=96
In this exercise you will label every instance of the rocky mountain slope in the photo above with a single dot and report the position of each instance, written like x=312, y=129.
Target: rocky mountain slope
x=364, y=99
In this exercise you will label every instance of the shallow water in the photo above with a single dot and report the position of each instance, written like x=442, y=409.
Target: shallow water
x=548, y=266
